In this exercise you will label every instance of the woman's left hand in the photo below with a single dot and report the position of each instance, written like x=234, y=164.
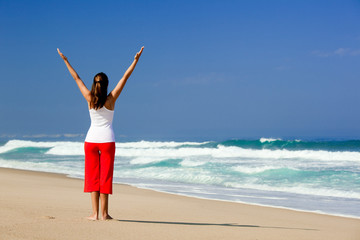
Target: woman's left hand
x=137, y=56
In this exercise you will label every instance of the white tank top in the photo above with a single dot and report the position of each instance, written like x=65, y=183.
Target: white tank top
x=101, y=130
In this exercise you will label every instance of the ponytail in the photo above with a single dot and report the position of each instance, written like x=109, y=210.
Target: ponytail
x=99, y=91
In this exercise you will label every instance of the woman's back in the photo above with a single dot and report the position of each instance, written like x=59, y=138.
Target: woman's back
x=101, y=129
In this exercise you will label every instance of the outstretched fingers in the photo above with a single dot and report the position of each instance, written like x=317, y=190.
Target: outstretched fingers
x=138, y=54
x=61, y=55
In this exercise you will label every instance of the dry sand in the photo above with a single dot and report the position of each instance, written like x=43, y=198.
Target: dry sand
x=36, y=205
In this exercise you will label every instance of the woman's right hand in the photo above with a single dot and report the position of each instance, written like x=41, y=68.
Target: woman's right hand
x=62, y=55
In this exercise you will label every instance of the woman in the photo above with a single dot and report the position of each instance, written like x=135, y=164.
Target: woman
x=100, y=141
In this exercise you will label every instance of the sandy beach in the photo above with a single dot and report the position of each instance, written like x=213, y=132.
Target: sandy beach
x=37, y=205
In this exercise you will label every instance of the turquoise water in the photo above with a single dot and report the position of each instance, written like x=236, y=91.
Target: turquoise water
x=318, y=176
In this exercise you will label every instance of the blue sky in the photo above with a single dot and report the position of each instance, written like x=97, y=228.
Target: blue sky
x=210, y=69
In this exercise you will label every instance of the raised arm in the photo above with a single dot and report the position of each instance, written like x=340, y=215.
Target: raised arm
x=83, y=89
x=114, y=94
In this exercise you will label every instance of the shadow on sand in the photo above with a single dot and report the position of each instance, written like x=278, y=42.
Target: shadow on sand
x=211, y=224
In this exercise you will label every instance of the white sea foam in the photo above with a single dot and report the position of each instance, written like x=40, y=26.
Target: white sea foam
x=236, y=152
x=69, y=169
x=190, y=162
x=262, y=140
x=175, y=174
x=299, y=189
x=14, y=144
x=67, y=149
x=134, y=149
x=146, y=160
x=224, y=151
x=164, y=150
x=149, y=144
x=219, y=152
x=254, y=170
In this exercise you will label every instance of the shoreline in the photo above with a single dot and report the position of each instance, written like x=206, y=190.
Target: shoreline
x=202, y=198
x=45, y=205
x=240, y=202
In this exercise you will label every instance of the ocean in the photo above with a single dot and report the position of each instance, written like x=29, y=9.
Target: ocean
x=314, y=176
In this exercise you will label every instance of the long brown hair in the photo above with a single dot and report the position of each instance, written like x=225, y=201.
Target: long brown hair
x=99, y=91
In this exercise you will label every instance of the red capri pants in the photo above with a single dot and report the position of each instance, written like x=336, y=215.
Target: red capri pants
x=99, y=167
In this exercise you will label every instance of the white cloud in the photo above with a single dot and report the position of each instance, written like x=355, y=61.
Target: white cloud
x=66, y=135
x=72, y=135
x=7, y=135
x=338, y=52
x=320, y=53
x=342, y=51
x=355, y=53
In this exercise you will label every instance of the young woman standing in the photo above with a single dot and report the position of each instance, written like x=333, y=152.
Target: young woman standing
x=100, y=140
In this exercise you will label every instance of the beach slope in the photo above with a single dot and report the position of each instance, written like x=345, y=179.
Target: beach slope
x=36, y=205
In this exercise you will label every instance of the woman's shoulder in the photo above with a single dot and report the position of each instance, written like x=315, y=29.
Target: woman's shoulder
x=109, y=104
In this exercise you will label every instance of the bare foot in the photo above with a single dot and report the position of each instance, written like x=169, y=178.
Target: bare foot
x=106, y=217
x=93, y=217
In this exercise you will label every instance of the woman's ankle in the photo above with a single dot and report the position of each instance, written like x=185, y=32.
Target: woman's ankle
x=94, y=216
x=106, y=216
